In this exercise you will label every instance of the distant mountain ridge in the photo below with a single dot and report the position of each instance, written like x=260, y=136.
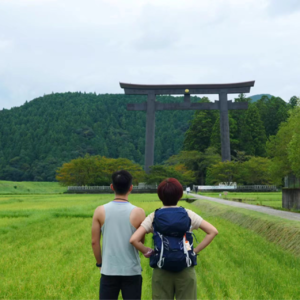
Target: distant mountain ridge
x=254, y=98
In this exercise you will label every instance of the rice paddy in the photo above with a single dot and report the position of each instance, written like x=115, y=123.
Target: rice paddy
x=46, y=251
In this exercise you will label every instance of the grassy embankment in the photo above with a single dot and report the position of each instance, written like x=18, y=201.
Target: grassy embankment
x=45, y=250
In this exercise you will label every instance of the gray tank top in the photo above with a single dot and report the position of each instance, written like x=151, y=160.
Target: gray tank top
x=119, y=257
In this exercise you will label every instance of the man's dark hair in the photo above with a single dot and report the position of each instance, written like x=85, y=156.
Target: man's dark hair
x=122, y=181
x=170, y=191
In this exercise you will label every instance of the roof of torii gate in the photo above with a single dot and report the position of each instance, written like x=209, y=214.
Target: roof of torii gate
x=229, y=88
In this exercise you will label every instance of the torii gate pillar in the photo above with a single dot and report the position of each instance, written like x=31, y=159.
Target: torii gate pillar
x=223, y=105
x=224, y=127
x=150, y=132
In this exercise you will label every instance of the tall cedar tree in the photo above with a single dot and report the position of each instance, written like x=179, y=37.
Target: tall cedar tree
x=273, y=111
x=253, y=135
x=198, y=135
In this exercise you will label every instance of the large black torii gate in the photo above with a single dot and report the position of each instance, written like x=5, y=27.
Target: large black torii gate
x=223, y=105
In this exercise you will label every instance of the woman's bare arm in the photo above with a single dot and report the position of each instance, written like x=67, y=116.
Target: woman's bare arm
x=211, y=232
x=137, y=240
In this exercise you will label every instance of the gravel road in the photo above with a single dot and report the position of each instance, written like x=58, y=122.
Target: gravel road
x=265, y=210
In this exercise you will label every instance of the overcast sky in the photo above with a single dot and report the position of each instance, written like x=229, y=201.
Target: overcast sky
x=73, y=45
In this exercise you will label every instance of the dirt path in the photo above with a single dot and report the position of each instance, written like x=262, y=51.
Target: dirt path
x=265, y=210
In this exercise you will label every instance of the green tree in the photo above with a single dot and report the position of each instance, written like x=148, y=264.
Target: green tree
x=196, y=161
x=283, y=148
x=96, y=170
x=273, y=112
x=293, y=148
x=160, y=172
x=225, y=172
x=241, y=156
x=253, y=135
x=242, y=98
x=198, y=135
x=277, y=147
x=256, y=171
x=294, y=101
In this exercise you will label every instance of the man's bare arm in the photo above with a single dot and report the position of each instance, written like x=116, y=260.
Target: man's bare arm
x=96, y=234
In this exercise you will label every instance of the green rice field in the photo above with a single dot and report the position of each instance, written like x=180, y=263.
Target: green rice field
x=46, y=251
x=30, y=187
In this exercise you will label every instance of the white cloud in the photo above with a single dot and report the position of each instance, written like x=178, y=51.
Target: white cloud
x=5, y=44
x=90, y=46
x=283, y=7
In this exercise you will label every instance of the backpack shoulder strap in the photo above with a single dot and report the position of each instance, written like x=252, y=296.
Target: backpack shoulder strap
x=155, y=212
x=184, y=209
x=154, y=217
x=188, y=216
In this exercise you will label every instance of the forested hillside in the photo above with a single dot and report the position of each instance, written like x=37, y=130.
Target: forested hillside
x=41, y=135
x=249, y=129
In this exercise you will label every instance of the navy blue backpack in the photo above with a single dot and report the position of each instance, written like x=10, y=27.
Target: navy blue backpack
x=173, y=241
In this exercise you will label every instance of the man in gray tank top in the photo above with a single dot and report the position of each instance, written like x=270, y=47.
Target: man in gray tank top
x=119, y=261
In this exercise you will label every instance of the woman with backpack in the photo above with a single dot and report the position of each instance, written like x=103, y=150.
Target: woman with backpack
x=173, y=257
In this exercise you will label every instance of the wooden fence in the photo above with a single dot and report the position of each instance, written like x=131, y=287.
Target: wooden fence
x=153, y=188
x=88, y=188
x=105, y=189
x=257, y=188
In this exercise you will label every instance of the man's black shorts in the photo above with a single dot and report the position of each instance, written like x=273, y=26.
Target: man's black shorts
x=130, y=286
